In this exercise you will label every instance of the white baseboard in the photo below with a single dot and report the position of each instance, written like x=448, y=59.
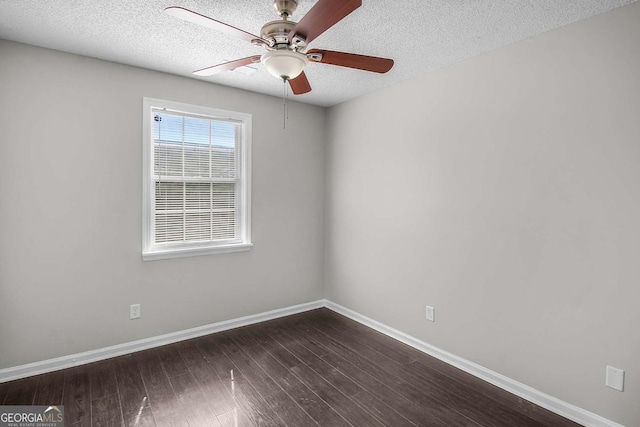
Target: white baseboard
x=567, y=410
x=544, y=400
x=36, y=368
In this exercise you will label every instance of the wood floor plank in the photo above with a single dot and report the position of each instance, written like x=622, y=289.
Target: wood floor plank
x=21, y=392
x=162, y=399
x=254, y=409
x=430, y=401
x=341, y=403
x=133, y=395
x=319, y=410
x=76, y=396
x=472, y=403
x=219, y=391
x=171, y=420
x=351, y=338
x=50, y=388
x=217, y=395
x=141, y=418
x=346, y=385
x=106, y=412
x=3, y=392
x=196, y=409
x=394, y=350
x=172, y=361
x=102, y=376
x=230, y=418
x=396, y=397
x=271, y=392
x=496, y=394
x=402, y=352
x=466, y=401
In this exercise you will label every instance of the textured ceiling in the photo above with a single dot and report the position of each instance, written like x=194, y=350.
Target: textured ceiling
x=419, y=35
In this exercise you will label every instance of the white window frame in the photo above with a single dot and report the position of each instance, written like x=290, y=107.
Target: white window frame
x=151, y=250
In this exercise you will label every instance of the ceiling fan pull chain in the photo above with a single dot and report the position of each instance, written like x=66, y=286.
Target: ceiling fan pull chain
x=284, y=103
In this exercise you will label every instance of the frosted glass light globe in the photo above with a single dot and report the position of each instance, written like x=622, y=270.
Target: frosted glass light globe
x=284, y=64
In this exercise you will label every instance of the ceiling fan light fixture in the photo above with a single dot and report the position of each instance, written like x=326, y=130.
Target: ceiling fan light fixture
x=284, y=64
x=286, y=42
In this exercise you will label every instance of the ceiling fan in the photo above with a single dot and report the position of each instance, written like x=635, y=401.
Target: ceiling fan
x=286, y=42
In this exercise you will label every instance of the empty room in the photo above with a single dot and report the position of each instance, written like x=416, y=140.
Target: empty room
x=320, y=213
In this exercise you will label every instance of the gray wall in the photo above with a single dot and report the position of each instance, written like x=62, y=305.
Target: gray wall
x=504, y=191
x=70, y=210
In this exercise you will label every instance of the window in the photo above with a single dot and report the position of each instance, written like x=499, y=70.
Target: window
x=196, y=185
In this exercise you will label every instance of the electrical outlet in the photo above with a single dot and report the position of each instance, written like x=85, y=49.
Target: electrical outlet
x=134, y=311
x=431, y=315
x=615, y=378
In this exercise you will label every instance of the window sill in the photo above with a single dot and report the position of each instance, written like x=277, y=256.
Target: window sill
x=188, y=252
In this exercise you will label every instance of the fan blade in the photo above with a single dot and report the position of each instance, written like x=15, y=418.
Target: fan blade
x=351, y=60
x=300, y=84
x=205, y=21
x=324, y=15
x=226, y=66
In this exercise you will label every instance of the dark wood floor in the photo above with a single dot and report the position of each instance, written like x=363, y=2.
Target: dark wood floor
x=315, y=368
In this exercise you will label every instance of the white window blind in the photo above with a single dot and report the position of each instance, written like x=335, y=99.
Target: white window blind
x=197, y=184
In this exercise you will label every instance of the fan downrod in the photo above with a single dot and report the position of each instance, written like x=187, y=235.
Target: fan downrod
x=285, y=8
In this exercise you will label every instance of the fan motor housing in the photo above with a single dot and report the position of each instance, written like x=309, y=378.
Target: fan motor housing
x=277, y=31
